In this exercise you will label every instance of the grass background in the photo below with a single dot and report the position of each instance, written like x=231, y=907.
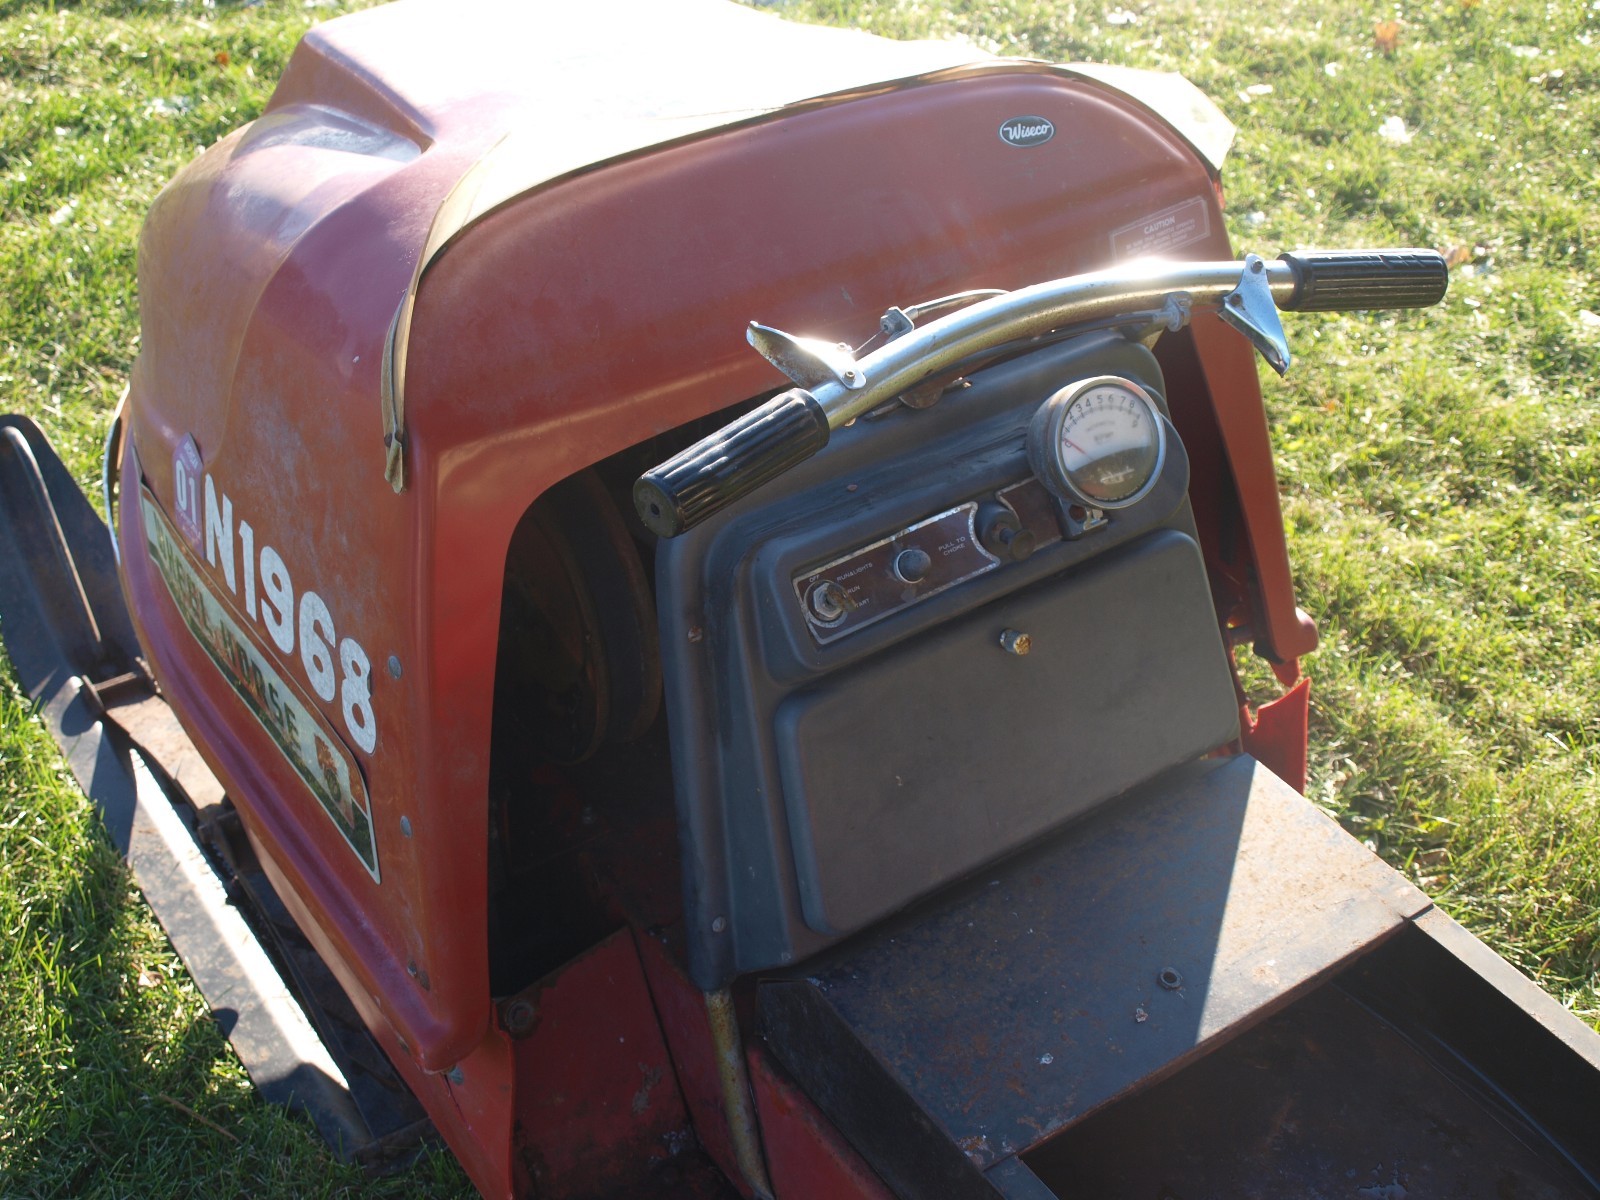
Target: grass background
x=1439, y=470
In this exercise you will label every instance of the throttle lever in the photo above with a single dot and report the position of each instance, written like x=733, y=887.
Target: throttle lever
x=1250, y=309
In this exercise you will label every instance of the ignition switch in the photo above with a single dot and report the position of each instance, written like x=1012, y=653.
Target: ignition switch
x=1002, y=534
x=828, y=602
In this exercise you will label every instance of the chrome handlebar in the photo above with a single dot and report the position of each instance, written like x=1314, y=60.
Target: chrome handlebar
x=835, y=388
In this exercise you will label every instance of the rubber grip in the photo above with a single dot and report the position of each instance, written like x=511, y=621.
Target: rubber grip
x=733, y=462
x=1336, y=280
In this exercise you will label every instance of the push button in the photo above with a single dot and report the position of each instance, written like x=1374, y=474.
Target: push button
x=912, y=565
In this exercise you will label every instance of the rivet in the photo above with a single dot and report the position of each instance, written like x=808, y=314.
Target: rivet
x=456, y=1077
x=394, y=666
x=411, y=968
x=696, y=633
x=405, y=826
x=720, y=924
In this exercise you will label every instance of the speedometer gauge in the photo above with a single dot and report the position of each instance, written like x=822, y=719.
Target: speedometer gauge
x=1099, y=442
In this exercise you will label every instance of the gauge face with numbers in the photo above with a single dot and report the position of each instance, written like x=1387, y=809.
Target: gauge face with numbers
x=1098, y=442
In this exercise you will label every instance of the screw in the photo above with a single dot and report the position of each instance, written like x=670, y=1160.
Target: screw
x=1170, y=979
x=720, y=924
x=411, y=968
x=1013, y=641
x=405, y=826
x=394, y=666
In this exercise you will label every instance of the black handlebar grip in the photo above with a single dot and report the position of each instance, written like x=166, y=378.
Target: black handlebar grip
x=1335, y=280
x=733, y=462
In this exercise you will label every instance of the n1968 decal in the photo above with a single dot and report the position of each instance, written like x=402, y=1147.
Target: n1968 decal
x=334, y=666
x=306, y=740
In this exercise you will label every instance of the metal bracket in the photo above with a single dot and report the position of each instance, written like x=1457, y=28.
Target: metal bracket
x=898, y=322
x=1172, y=316
x=807, y=361
x=895, y=323
x=1250, y=309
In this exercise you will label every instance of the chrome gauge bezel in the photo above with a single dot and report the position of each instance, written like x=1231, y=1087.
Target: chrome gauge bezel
x=1044, y=441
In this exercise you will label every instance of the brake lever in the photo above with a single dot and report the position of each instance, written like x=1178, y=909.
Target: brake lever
x=1251, y=310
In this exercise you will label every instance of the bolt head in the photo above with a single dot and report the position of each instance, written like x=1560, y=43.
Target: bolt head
x=1014, y=641
x=519, y=1017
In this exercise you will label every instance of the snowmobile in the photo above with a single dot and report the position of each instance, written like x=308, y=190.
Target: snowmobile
x=673, y=616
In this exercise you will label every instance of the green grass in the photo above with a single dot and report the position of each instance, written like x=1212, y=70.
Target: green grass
x=1440, y=472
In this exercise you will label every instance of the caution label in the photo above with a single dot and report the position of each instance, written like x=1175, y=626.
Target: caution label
x=1163, y=232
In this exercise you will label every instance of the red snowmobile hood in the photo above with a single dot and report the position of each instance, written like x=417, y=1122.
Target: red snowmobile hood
x=495, y=87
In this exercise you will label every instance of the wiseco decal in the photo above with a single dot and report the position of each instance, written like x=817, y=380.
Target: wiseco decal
x=274, y=605
x=301, y=734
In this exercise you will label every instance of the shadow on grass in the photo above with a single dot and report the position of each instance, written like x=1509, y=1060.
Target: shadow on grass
x=115, y=1079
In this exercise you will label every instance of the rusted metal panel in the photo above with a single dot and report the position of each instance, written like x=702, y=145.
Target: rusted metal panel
x=1277, y=732
x=1450, y=992
x=686, y=1025
x=1322, y=1099
x=806, y=1155
x=1084, y=968
x=598, y=1107
x=1284, y=633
